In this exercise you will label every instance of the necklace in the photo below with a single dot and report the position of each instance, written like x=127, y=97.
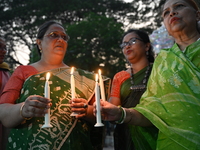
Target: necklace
x=142, y=86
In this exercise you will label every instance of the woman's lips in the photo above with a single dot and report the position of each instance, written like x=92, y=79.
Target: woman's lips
x=59, y=46
x=128, y=52
x=174, y=19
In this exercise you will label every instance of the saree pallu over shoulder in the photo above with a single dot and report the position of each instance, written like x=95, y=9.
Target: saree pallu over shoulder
x=67, y=132
x=172, y=100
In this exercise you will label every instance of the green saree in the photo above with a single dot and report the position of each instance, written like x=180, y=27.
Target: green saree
x=172, y=100
x=67, y=132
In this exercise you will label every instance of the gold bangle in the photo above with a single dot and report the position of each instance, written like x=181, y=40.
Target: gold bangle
x=20, y=111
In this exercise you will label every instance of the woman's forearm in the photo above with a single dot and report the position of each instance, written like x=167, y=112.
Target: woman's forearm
x=10, y=114
x=134, y=117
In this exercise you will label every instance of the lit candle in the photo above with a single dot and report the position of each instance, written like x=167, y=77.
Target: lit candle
x=47, y=95
x=97, y=98
x=101, y=86
x=72, y=81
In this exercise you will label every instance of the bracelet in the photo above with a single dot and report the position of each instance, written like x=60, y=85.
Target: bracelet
x=20, y=111
x=123, y=116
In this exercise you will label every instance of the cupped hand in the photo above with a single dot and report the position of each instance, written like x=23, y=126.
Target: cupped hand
x=35, y=106
x=79, y=106
x=109, y=111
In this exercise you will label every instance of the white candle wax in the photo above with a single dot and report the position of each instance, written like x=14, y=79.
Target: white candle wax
x=47, y=95
x=72, y=82
x=97, y=98
x=101, y=86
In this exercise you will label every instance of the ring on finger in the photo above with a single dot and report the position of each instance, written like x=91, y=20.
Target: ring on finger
x=85, y=105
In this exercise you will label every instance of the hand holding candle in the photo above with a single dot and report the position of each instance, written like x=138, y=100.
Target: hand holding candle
x=101, y=86
x=97, y=98
x=72, y=87
x=47, y=95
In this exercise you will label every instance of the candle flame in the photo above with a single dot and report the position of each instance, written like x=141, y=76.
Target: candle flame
x=72, y=70
x=96, y=78
x=99, y=71
x=47, y=76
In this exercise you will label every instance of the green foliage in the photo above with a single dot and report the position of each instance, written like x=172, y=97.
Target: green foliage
x=94, y=42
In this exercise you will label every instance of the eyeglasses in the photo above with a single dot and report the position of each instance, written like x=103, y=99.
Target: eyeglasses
x=130, y=42
x=56, y=35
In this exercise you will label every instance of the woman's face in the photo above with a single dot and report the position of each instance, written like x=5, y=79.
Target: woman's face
x=2, y=52
x=135, y=49
x=178, y=15
x=54, y=43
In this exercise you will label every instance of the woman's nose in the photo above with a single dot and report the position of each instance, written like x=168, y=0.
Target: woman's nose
x=172, y=13
x=60, y=39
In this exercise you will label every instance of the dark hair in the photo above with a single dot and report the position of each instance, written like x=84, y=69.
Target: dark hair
x=43, y=28
x=145, y=38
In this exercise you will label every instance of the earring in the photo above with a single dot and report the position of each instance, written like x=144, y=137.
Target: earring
x=128, y=64
x=40, y=49
x=147, y=54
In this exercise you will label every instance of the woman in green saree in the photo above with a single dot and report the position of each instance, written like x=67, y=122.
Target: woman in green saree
x=172, y=99
x=129, y=85
x=23, y=104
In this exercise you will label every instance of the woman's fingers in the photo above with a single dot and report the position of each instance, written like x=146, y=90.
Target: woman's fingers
x=35, y=106
x=79, y=106
x=108, y=111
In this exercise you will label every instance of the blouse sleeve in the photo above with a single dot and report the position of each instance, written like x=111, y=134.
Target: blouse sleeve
x=14, y=85
x=118, y=79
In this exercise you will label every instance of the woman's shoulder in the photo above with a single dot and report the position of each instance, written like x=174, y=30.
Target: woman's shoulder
x=25, y=67
x=89, y=74
x=121, y=76
x=122, y=73
x=25, y=70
